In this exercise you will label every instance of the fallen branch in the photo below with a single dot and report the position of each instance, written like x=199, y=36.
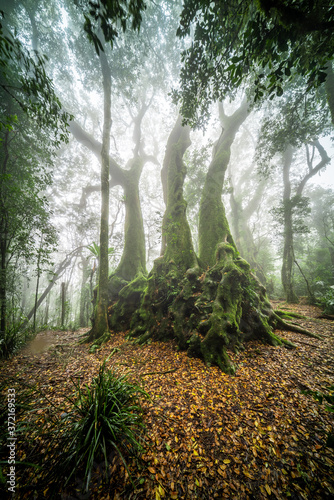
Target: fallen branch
x=158, y=373
x=326, y=316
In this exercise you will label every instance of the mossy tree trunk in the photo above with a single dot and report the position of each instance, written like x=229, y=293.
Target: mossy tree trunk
x=123, y=299
x=213, y=225
x=177, y=242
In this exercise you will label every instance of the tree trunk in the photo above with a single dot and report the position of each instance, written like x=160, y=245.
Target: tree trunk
x=288, y=252
x=84, y=292
x=213, y=225
x=62, y=297
x=100, y=321
x=133, y=261
x=242, y=234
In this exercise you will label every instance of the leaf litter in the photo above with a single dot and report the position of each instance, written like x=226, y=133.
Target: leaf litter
x=208, y=434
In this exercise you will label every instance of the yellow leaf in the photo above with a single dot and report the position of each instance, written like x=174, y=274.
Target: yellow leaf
x=176, y=439
x=267, y=487
x=161, y=491
x=195, y=453
x=227, y=461
x=157, y=495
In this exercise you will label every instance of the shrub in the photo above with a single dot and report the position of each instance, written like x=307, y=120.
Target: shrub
x=325, y=297
x=106, y=417
x=12, y=340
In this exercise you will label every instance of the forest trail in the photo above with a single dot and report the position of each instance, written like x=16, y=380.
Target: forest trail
x=209, y=435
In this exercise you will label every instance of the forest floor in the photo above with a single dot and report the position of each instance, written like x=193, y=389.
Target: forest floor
x=209, y=435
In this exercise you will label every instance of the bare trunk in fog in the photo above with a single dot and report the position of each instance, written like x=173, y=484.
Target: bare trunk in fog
x=288, y=251
x=289, y=203
x=243, y=236
x=100, y=321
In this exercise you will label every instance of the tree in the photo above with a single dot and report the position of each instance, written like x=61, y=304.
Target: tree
x=288, y=128
x=265, y=44
x=207, y=308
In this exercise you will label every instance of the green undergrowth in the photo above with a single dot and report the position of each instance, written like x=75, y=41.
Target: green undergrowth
x=102, y=423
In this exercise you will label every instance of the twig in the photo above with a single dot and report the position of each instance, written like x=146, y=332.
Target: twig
x=158, y=373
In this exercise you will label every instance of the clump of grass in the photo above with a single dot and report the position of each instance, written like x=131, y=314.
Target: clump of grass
x=106, y=417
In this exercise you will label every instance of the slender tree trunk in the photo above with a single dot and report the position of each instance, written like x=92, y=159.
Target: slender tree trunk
x=100, y=321
x=46, y=313
x=288, y=251
x=37, y=282
x=62, y=298
x=213, y=225
x=84, y=299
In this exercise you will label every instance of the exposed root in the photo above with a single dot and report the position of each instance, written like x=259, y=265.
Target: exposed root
x=289, y=315
x=289, y=327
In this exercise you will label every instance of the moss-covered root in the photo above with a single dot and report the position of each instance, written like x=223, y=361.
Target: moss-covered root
x=289, y=315
x=98, y=342
x=280, y=323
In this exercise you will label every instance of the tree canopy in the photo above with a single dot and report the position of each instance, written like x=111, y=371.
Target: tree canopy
x=261, y=45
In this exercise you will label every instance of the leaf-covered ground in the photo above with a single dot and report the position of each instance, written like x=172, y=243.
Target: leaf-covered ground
x=209, y=435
